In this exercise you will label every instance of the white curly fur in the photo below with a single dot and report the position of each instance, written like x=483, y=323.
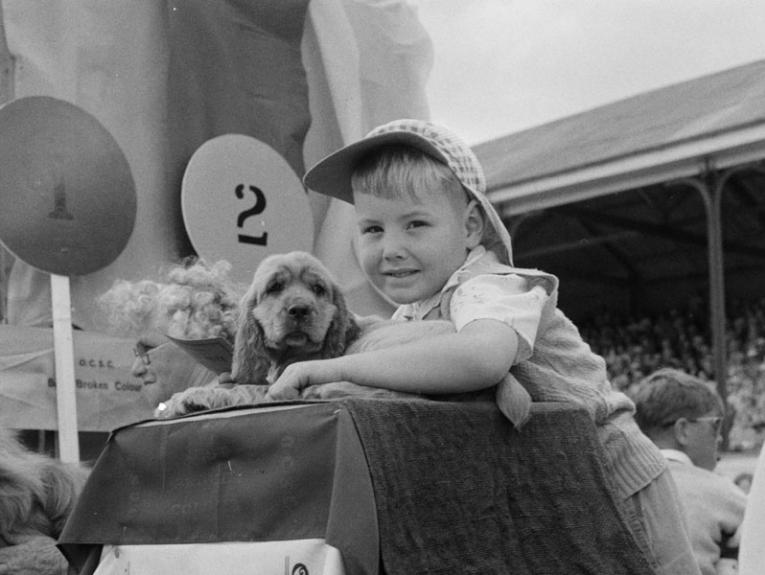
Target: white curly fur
x=37, y=494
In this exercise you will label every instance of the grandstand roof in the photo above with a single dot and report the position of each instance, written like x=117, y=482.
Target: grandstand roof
x=593, y=197
x=654, y=136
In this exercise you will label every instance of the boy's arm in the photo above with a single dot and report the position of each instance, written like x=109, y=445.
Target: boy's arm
x=476, y=357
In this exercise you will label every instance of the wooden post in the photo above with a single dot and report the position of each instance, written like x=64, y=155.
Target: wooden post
x=63, y=345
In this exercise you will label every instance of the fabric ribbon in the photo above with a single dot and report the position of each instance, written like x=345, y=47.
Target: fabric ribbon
x=513, y=400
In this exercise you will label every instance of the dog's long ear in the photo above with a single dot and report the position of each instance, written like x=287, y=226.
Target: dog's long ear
x=343, y=329
x=250, y=364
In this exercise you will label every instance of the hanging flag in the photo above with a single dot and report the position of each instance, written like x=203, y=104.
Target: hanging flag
x=236, y=68
x=302, y=77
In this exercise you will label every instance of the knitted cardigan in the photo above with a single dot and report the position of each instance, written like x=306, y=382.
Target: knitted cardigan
x=563, y=368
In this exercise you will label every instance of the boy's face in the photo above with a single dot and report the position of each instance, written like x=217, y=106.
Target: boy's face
x=409, y=248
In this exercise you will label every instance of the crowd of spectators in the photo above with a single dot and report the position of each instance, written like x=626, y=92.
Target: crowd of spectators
x=634, y=347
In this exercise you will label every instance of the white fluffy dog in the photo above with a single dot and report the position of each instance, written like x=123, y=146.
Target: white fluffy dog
x=37, y=494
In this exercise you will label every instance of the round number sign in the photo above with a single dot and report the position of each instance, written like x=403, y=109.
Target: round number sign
x=67, y=197
x=241, y=201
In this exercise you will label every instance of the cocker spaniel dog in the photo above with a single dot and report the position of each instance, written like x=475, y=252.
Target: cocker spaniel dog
x=292, y=311
x=37, y=494
x=295, y=311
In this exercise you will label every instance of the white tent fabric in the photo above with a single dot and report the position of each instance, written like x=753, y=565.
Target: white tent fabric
x=366, y=62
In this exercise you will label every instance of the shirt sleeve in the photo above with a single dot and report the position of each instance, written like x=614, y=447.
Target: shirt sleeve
x=507, y=298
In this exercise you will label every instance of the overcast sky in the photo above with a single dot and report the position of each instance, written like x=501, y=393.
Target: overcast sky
x=505, y=65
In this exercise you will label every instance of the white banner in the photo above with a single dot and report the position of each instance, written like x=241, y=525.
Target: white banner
x=299, y=557
x=108, y=396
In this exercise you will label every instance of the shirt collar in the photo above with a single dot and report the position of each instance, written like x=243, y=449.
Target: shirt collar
x=419, y=309
x=675, y=455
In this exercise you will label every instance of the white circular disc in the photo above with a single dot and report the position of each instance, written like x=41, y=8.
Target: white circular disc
x=241, y=201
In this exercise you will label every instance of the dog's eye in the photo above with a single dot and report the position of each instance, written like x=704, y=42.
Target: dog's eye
x=319, y=289
x=274, y=287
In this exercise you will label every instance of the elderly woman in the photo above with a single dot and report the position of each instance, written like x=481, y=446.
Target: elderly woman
x=195, y=300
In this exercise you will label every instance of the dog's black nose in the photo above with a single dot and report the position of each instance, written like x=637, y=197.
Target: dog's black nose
x=299, y=311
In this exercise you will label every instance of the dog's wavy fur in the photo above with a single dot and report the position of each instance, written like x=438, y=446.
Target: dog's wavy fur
x=37, y=494
x=294, y=310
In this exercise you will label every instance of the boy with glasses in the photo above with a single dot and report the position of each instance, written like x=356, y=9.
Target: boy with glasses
x=683, y=416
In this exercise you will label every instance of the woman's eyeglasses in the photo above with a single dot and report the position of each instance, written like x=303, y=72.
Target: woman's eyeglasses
x=141, y=350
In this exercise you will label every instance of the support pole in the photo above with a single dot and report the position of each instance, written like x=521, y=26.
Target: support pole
x=712, y=196
x=63, y=345
x=710, y=186
x=7, y=65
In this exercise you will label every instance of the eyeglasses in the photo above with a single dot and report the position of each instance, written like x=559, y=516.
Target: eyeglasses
x=716, y=421
x=141, y=350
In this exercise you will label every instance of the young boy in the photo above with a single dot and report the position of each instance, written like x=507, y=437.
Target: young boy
x=683, y=416
x=430, y=241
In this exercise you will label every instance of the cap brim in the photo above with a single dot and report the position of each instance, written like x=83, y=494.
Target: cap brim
x=332, y=175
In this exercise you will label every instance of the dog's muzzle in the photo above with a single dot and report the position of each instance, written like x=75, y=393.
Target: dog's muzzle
x=300, y=326
x=299, y=312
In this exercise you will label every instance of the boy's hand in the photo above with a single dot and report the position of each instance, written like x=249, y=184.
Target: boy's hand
x=297, y=376
x=291, y=382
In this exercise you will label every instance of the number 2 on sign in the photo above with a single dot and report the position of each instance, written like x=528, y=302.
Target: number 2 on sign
x=258, y=208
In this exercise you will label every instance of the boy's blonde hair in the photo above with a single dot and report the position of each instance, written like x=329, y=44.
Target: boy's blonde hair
x=394, y=172
x=333, y=175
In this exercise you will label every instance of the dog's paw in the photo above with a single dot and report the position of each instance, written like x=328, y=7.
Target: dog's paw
x=340, y=389
x=187, y=401
x=247, y=394
x=196, y=399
